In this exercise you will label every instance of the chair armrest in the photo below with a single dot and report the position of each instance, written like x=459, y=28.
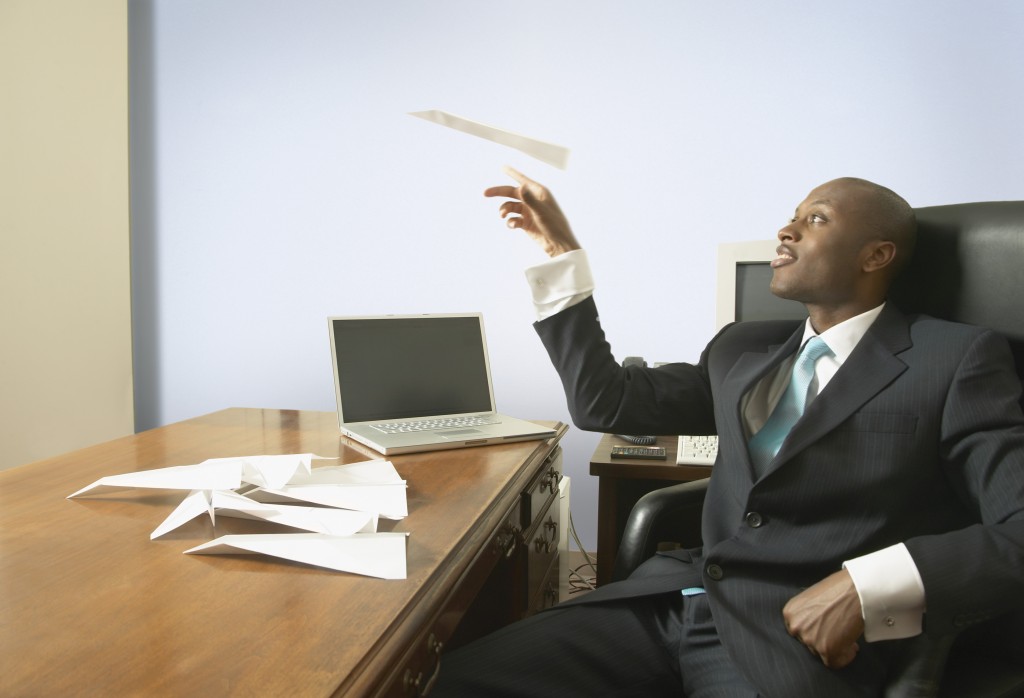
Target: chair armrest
x=988, y=662
x=668, y=514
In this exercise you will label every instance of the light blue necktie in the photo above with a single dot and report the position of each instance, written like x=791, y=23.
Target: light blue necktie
x=767, y=442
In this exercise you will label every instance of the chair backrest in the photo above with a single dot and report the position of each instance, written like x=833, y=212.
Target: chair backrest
x=969, y=267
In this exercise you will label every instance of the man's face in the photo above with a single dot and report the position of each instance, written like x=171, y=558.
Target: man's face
x=819, y=255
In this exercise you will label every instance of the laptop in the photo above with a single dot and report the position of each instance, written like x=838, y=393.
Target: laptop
x=408, y=383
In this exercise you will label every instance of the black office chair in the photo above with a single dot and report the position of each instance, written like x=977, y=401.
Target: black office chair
x=968, y=267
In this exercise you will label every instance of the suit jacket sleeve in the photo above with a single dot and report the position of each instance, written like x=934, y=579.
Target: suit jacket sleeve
x=977, y=572
x=607, y=397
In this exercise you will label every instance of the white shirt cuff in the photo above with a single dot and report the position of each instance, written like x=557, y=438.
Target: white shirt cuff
x=560, y=282
x=891, y=593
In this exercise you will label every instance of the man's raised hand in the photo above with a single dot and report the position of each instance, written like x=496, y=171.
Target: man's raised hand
x=533, y=209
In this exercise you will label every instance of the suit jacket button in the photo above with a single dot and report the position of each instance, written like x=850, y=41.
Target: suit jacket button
x=754, y=520
x=715, y=572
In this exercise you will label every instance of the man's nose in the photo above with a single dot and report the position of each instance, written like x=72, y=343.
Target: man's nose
x=788, y=232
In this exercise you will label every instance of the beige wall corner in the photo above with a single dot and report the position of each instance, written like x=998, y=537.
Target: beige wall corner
x=65, y=289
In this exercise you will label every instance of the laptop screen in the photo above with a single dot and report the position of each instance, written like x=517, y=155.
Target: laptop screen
x=409, y=367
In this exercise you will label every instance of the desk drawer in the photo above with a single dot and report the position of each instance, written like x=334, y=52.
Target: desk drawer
x=542, y=489
x=502, y=585
x=489, y=595
x=546, y=594
x=542, y=555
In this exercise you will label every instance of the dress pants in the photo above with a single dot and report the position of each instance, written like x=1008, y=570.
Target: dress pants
x=664, y=645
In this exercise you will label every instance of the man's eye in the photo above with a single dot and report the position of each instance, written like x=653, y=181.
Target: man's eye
x=817, y=218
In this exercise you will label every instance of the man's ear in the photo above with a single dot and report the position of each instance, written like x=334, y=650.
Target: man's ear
x=879, y=254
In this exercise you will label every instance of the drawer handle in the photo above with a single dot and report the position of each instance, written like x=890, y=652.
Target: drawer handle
x=438, y=646
x=412, y=685
x=550, y=595
x=549, y=543
x=550, y=480
x=435, y=647
x=506, y=541
x=417, y=686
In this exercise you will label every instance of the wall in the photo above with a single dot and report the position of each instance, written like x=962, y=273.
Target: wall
x=65, y=358
x=278, y=180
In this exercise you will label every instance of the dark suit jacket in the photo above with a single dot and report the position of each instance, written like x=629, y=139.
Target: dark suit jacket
x=919, y=438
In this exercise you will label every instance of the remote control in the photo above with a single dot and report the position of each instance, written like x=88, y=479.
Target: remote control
x=648, y=452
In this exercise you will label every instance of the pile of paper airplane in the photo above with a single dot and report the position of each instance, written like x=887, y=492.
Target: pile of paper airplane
x=338, y=506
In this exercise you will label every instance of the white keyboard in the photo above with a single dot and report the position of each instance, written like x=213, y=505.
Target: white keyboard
x=697, y=450
x=434, y=424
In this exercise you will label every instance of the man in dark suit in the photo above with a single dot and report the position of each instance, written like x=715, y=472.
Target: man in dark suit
x=891, y=513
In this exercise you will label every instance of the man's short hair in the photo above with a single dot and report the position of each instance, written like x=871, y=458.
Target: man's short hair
x=892, y=220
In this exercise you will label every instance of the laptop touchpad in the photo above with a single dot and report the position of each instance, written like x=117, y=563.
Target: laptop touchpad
x=458, y=433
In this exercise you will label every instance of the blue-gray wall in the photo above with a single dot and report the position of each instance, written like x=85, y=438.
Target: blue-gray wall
x=276, y=178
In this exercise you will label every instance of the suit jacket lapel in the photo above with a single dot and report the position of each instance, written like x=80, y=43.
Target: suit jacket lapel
x=745, y=374
x=870, y=368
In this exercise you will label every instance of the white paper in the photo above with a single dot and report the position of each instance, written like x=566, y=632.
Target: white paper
x=343, y=537
x=196, y=503
x=274, y=471
x=371, y=472
x=213, y=474
x=333, y=522
x=373, y=554
x=389, y=501
x=337, y=522
x=208, y=475
x=373, y=486
x=556, y=155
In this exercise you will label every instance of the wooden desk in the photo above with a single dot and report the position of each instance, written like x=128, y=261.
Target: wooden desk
x=621, y=482
x=90, y=606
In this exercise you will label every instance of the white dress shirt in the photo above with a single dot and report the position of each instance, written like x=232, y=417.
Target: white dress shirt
x=888, y=583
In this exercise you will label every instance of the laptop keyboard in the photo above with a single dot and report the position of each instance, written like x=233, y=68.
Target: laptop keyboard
x=434, y=424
